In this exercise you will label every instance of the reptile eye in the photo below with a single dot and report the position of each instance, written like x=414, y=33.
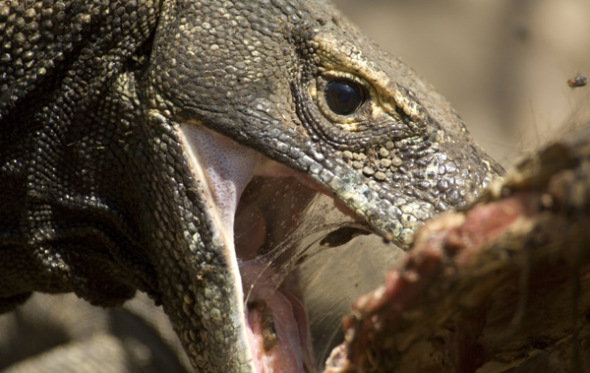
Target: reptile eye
x=343, y=96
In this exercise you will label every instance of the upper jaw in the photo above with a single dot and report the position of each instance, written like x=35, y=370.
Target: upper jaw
x=261, y=251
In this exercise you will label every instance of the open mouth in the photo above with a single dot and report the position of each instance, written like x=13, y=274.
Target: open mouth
x=278, y=226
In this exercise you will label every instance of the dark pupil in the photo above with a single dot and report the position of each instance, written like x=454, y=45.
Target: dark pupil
x=343, y=97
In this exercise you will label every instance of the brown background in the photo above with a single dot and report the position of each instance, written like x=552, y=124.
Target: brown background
x=503, y=64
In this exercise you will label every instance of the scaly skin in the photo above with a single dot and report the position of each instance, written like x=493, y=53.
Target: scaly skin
x=97, y=192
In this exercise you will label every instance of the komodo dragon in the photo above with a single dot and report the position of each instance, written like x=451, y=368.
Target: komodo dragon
x=136, y=138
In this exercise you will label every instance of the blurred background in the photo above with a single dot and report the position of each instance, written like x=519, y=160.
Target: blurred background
x=503, y=64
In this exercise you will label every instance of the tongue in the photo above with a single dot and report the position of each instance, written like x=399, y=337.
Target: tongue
x=274, y=332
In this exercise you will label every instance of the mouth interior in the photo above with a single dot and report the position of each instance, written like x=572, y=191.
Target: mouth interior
x=281, y=223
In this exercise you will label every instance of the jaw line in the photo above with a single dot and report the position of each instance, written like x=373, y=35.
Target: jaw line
x=221, y=197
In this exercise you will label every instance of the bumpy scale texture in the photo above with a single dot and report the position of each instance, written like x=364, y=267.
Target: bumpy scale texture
x=96, y=193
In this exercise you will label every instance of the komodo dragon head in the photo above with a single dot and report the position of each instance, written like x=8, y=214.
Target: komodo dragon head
x=169, y=146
